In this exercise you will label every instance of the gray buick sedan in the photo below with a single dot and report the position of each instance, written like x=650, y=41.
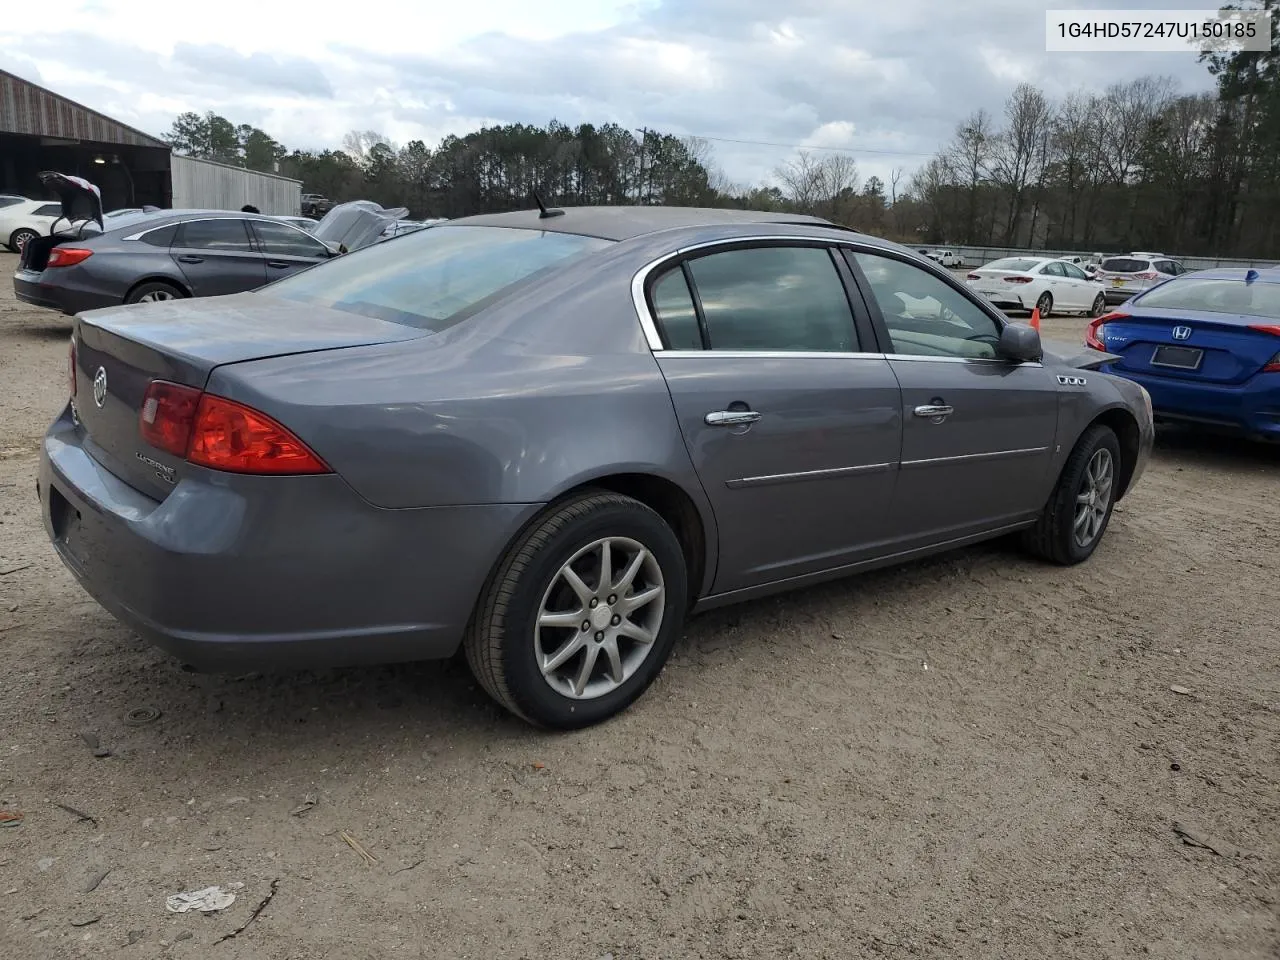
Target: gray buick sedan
x=546, y=437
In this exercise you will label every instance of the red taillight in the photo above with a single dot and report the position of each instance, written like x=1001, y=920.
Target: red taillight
x=1093, y=335
x=1273, y=365
x=67, y=256
x=1149, y=275
x=168, y=411
x=1271, y=328
x=71, y=367
x=973, y=276
x=221, y=434
x=230, y=436
x=1017, y=279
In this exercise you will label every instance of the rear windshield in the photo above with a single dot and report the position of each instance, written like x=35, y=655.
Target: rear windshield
x=1013, y=264
x=1257, y=299
x=432, y=279
x=1126, y=265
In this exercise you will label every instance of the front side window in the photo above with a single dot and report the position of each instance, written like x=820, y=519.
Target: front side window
x=432, y=279
x=282, y=240
x=227, y=235
x=774, y=299
x=926, y=316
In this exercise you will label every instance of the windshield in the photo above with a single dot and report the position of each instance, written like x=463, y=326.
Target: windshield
x=1012, y=264
x=1258, y=299
x=432, y=279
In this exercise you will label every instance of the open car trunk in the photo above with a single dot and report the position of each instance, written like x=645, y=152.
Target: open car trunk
x=350, y=226
x=81, y=215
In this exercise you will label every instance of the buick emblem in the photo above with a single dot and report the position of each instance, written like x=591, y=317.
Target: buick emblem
x=1182, y=333
x=100, y=386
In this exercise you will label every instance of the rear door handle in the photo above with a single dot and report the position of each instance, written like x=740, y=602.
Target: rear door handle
x=278, y=264
x=934, y=410
x=730, y=418
x=187, y=258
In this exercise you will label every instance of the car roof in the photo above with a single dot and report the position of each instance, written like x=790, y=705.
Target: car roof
x=624, y=223
x=1263, y=274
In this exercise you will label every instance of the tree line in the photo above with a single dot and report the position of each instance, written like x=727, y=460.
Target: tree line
x=1137, y=166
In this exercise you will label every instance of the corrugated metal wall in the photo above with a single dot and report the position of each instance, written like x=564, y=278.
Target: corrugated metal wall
x=35, y=111
x=203, y=184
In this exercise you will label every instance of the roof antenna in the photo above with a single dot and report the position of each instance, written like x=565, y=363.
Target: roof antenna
x=543, y=211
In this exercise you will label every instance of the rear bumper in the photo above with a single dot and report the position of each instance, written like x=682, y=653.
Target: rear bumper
x=230, y=572
x=1251, y=408
x=29, y=288
x=1119, y=295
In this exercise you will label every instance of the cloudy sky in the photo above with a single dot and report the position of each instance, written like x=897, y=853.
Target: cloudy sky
x=886, y=79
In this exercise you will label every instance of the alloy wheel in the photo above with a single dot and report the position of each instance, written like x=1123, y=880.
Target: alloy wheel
x=599, y=618
x=1094, y=498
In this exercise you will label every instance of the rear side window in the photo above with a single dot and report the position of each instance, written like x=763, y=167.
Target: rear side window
x=1054, y=270
x=1125, y=265
x=1167, y=267
x=48, y=210
x=774, y=298
x=1257, y=299
x=676, y=315
x=161, y=236
x=228, y=234
x=1013, y=263
x=432, y=279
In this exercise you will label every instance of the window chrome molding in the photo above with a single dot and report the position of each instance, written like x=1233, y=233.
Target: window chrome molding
x=654, y=339
x=828, y=474
x=765, y=354
x=992, y=455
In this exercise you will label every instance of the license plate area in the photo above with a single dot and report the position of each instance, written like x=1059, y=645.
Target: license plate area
x=1177, y=358
x=67, y=526
x=1118, y=282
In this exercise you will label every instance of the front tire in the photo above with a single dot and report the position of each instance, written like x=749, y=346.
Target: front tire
x=581, y=612
x=1079, y=509
x=20, y=239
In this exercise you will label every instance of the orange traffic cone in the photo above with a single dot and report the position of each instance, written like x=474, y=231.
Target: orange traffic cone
x=1035, y=319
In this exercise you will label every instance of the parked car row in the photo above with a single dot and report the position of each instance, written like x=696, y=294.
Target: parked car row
x=143, y=256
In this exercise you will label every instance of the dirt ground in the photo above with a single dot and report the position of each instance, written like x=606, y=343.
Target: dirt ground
x=976, y=756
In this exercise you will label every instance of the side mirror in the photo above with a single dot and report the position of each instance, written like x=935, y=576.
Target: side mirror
x=1020, y=343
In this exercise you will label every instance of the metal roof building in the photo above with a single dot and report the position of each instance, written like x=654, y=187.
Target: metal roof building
x=42, y=130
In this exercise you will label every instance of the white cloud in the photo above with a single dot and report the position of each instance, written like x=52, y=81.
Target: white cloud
x=890, y=81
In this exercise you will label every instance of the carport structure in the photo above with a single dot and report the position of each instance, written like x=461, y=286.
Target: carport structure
x=40, y=130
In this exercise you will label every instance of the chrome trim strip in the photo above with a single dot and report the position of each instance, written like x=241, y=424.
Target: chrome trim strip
x=230, y=215
x=776, y=478
x=993, y=455
x=764, y=354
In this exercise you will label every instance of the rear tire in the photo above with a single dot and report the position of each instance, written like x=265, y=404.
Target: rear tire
x=1045, y=305
x=553, y=642
x=153, y=291
x=1099, y=305
x=1079, y=509
x=21, y=238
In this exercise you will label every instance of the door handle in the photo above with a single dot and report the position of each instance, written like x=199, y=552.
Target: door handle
x=934, y=411
x=187, y=258
x=730, y=418
x=278, y=264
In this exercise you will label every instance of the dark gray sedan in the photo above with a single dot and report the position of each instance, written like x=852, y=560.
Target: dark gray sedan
x=173, y=254
x=546, y=438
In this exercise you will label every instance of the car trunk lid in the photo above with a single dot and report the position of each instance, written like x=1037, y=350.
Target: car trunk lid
x=350, y=226
x=1189, y=344
x=120, y=350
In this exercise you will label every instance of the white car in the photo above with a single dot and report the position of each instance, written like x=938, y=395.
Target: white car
x=26, y=220
x=1026, y=283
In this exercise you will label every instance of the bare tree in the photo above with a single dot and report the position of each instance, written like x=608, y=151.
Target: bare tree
x=825, y=187
x=1018, y=152
x=970, y=155
x=1127, y=109
x=358, y=144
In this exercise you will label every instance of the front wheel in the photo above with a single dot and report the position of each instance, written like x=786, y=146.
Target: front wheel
x=20, y=238
x=581, y=613
x=1079, y=509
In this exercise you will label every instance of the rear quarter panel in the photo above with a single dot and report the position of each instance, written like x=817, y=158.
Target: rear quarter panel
x=535, y=396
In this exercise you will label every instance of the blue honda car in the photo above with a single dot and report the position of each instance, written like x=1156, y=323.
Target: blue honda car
x=1206, y=345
